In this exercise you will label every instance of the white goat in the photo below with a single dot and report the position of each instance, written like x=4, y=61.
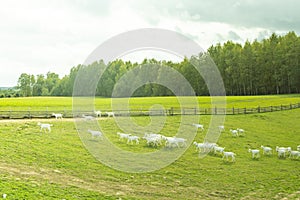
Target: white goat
x=153, y=139
x=234, y=132
x=205, y=147
x=123, y=135
x=199, y=126
x=229, y=154
x=209, y=146
x=132, y=138
x=181, y=141
x=286, y=149
x=294, y=154
x=45, y=126
x=282, y=151
x=254, y=152
x=57, y=115
x=199, y=146
x=110, y=114
x=218, y=149
x=95, y=133
x=266, y=150
x=221, y=128
x=240, y=131
x=170, y=141
x=97, y=113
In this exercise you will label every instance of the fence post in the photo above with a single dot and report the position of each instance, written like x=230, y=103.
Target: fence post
x=29, y=115
x=233, y=110
x=281, y=107
x=258, y=109
x=291, y=106
x=245, y=111
x=205, y=110
x=195, y=111
x=271, y=108
x=9, y=116
x=171, y=111
x=216, y=110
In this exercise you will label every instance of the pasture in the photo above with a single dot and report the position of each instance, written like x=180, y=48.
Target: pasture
x=56, y=165
x=65, y=103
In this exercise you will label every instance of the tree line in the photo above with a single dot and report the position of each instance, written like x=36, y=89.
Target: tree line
x=270, y=66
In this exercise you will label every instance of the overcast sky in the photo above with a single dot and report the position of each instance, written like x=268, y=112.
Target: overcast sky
x=38, y=36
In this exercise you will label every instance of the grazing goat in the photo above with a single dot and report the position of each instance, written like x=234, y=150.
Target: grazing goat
x=45, y=126
x=170, y=141
x=110, y=114
x=181, y=141
x=95, y=133
x=228, y=154
x=153, y=139
x=205, y=147
x=199, y=146
x=57, y=115
x=218, y=149
x=221, y=129
x=201, y=126
x=255, y=153
x=97, y=113
x=123, y=135
x=132, y=138
x=294, y=154
x=240, y=131
x=286, y=149
x=209, y=146
x=267, y=150
x=234, y=132
x=282, y=151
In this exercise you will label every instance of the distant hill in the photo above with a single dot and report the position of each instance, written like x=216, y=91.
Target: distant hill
x=6, y=88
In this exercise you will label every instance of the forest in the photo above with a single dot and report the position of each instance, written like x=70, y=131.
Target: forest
x=270, y=66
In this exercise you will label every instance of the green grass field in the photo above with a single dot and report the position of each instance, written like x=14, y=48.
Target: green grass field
x=65, y=103
x=57, y=165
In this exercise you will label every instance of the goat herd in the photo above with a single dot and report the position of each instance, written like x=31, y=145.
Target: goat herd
x=155, y=140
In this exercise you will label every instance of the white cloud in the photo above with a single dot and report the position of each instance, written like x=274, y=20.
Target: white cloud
x=38, y=36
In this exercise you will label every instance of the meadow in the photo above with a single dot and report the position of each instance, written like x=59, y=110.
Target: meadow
x=65, y=103
x=57, y=165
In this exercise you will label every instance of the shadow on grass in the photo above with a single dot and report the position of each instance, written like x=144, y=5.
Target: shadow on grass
x=225, y=162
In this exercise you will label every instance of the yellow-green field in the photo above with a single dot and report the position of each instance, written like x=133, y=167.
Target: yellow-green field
x=65, y=103
x=56, y=165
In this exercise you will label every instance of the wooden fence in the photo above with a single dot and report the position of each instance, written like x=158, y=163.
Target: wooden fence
x=13, y=114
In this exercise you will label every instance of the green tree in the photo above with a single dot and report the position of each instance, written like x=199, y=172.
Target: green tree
x=25, y=84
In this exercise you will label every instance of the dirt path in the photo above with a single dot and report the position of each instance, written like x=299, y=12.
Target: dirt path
x=44, y=120
x=35, y=120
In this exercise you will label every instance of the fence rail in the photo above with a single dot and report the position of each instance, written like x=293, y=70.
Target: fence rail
x=13, y=114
